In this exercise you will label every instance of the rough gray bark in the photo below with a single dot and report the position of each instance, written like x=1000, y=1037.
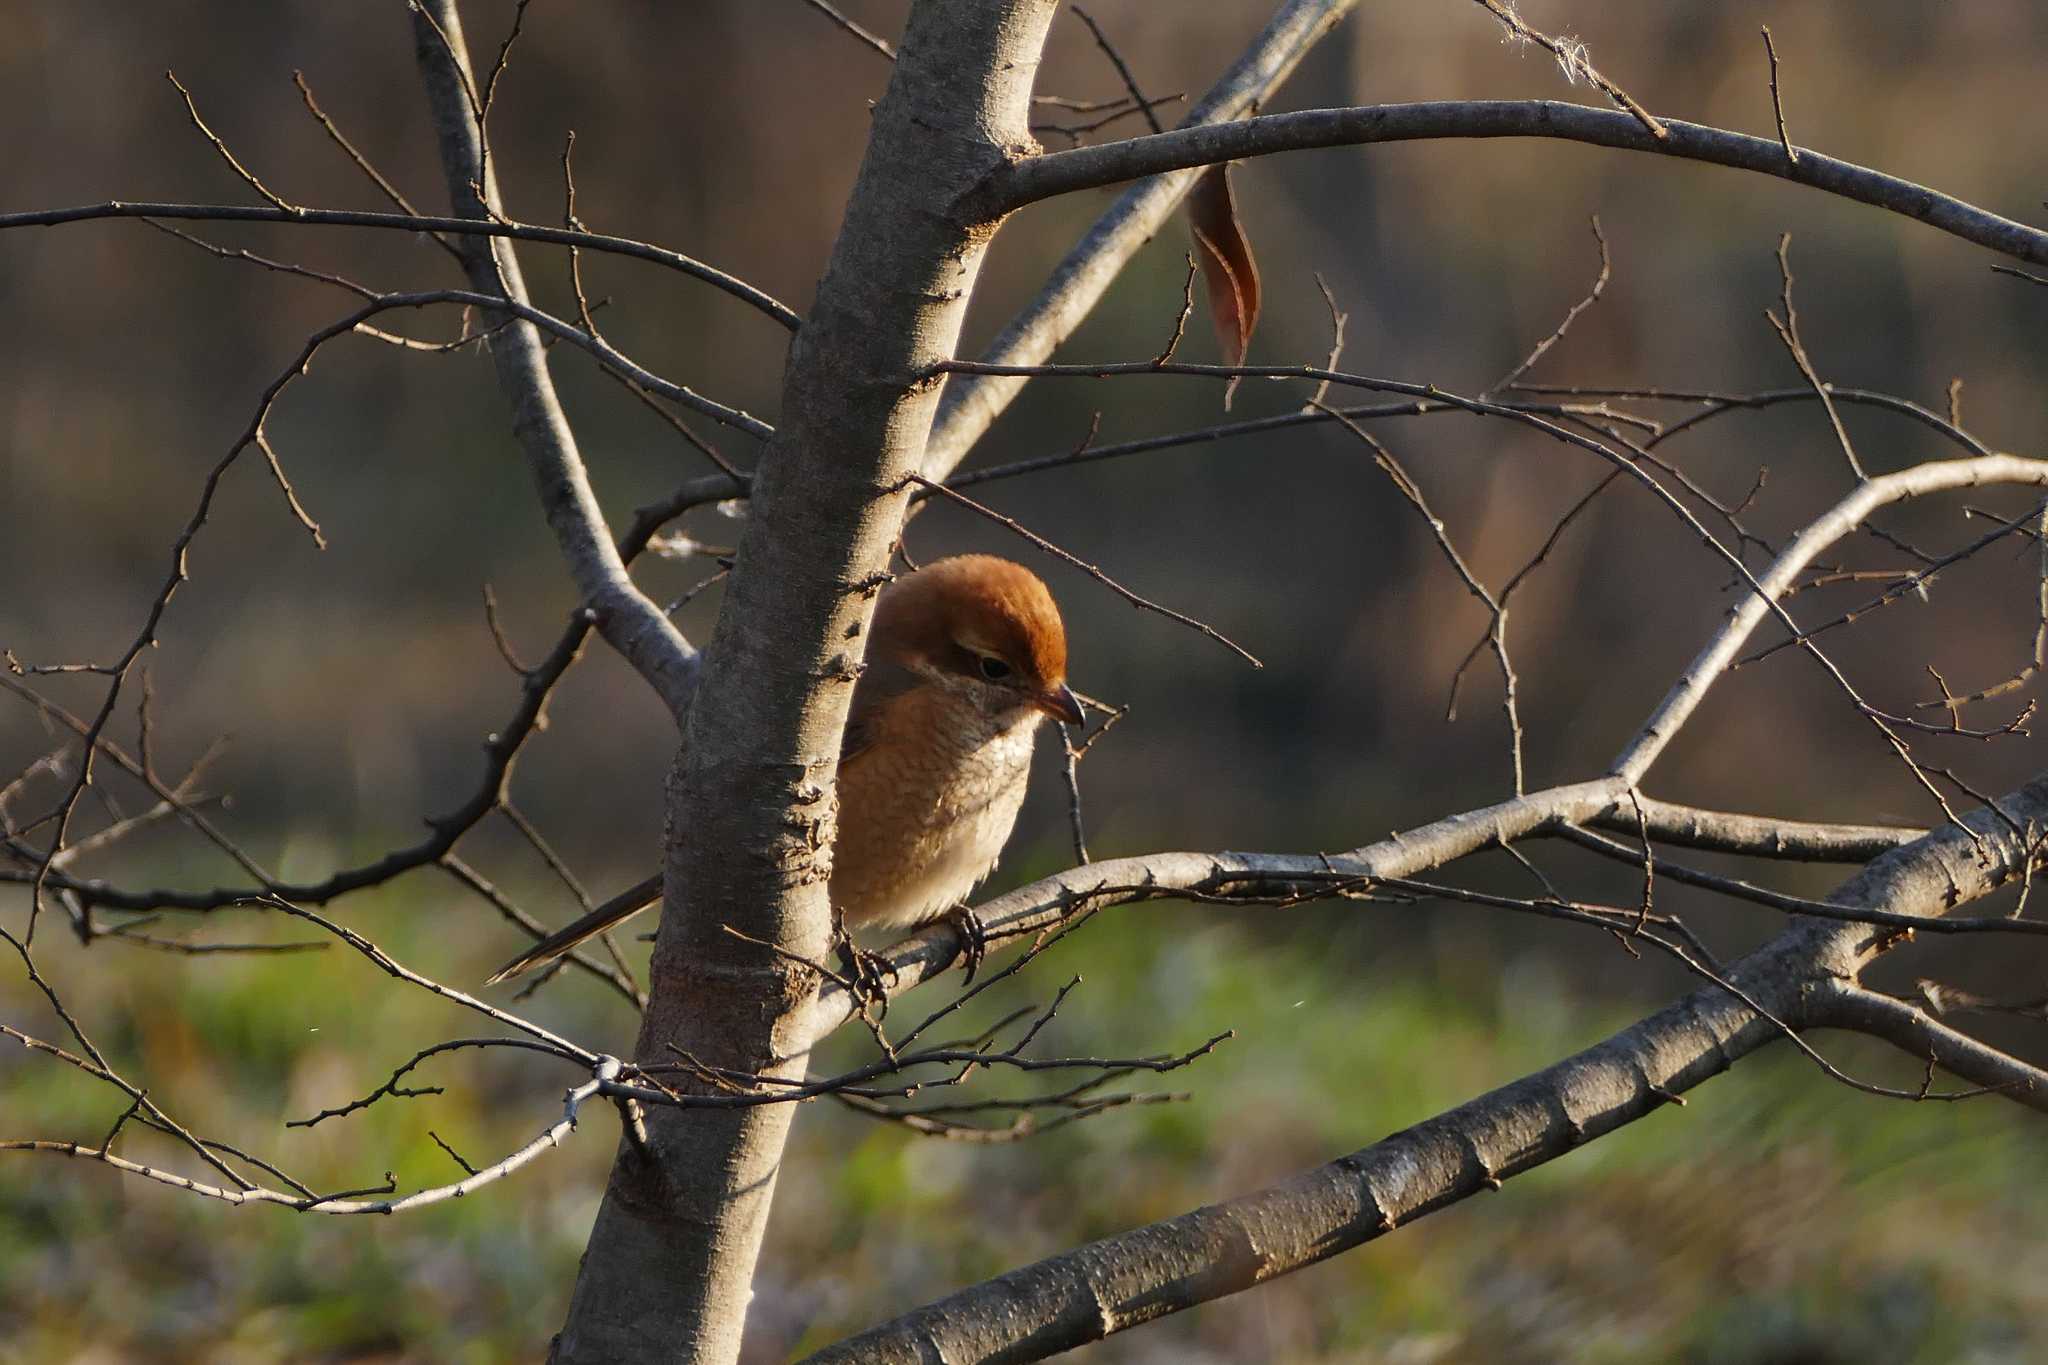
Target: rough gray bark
x=1802, y=979
x=667, y=1271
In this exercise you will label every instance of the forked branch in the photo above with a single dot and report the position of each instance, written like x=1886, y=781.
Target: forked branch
x=1135, y=1277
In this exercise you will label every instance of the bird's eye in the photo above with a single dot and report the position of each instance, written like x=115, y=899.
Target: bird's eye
x=994, y=669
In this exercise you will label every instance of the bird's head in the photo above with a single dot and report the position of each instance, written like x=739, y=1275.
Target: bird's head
x=983, y=628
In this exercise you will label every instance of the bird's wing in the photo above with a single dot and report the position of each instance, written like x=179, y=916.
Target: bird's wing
x=880, y=686
x=873, y=698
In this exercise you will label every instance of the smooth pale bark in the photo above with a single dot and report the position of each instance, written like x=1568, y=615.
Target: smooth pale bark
x=628, y=620
x=667, y=1271
x=1044, y=903
x=972, y=403
x=1185, y=148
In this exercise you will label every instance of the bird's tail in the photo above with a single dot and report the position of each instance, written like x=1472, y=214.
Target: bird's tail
x=617, y=910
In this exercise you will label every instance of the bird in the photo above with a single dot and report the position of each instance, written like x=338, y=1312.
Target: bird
x=966, y=657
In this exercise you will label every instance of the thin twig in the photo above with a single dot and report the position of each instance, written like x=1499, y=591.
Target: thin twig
x=1142, y=603
x=2017, y=274
x=873, y=41
x=406, y=222
x=1571, y=315
x=248, y=177
x=1123, y=69
x=1573, y=60
x=361, y=291
x=1180, y=322
x=1913, y=583
x=1338, y=319
x=393, y=967
x=1777, y=102
x=1787, y=329
x=500, y=639
x=2036, y=661
x=1497, y=633
x=362, y=163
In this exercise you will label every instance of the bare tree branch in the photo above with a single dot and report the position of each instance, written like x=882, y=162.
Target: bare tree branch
x=1777, y=100
x=970, y=406
x=1143, y=1274
x=1574, y=62
x=876, y=415
x=501, y=752
x=871, y=40
x=671, y=1257
x=629, y=622
x=1920, y=1035
x=1844, y=517
x=1044, y=904
x=1027, y=182
x=403, y=222
x=1759, y=836
x=549, y=1139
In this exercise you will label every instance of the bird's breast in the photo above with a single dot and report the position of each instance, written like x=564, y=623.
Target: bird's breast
x=924, y=814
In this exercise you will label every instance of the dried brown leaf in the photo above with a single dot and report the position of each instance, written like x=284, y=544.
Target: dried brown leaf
x=1228, y=269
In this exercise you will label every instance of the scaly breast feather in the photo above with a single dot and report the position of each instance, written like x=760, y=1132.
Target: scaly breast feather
x=924, y=812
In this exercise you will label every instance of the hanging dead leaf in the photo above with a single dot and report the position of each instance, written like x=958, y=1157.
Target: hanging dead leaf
x=1228, y=270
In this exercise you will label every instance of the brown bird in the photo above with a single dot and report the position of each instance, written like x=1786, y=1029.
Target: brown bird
x=966, y=657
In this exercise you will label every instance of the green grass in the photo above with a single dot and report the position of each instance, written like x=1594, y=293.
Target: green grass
x=1776, y=1217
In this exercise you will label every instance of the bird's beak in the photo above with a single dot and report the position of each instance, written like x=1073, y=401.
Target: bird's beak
x=1062, y=705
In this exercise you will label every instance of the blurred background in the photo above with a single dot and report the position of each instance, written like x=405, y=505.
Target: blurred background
x=1776, y=1218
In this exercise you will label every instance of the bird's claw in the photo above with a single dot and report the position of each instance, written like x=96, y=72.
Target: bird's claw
x=865, y=969
x=973, y=940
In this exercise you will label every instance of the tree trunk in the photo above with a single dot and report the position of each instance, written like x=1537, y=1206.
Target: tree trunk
x=751, y=803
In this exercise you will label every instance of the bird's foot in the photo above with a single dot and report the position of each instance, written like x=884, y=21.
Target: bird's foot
x=973, y=939
x=867, y=972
